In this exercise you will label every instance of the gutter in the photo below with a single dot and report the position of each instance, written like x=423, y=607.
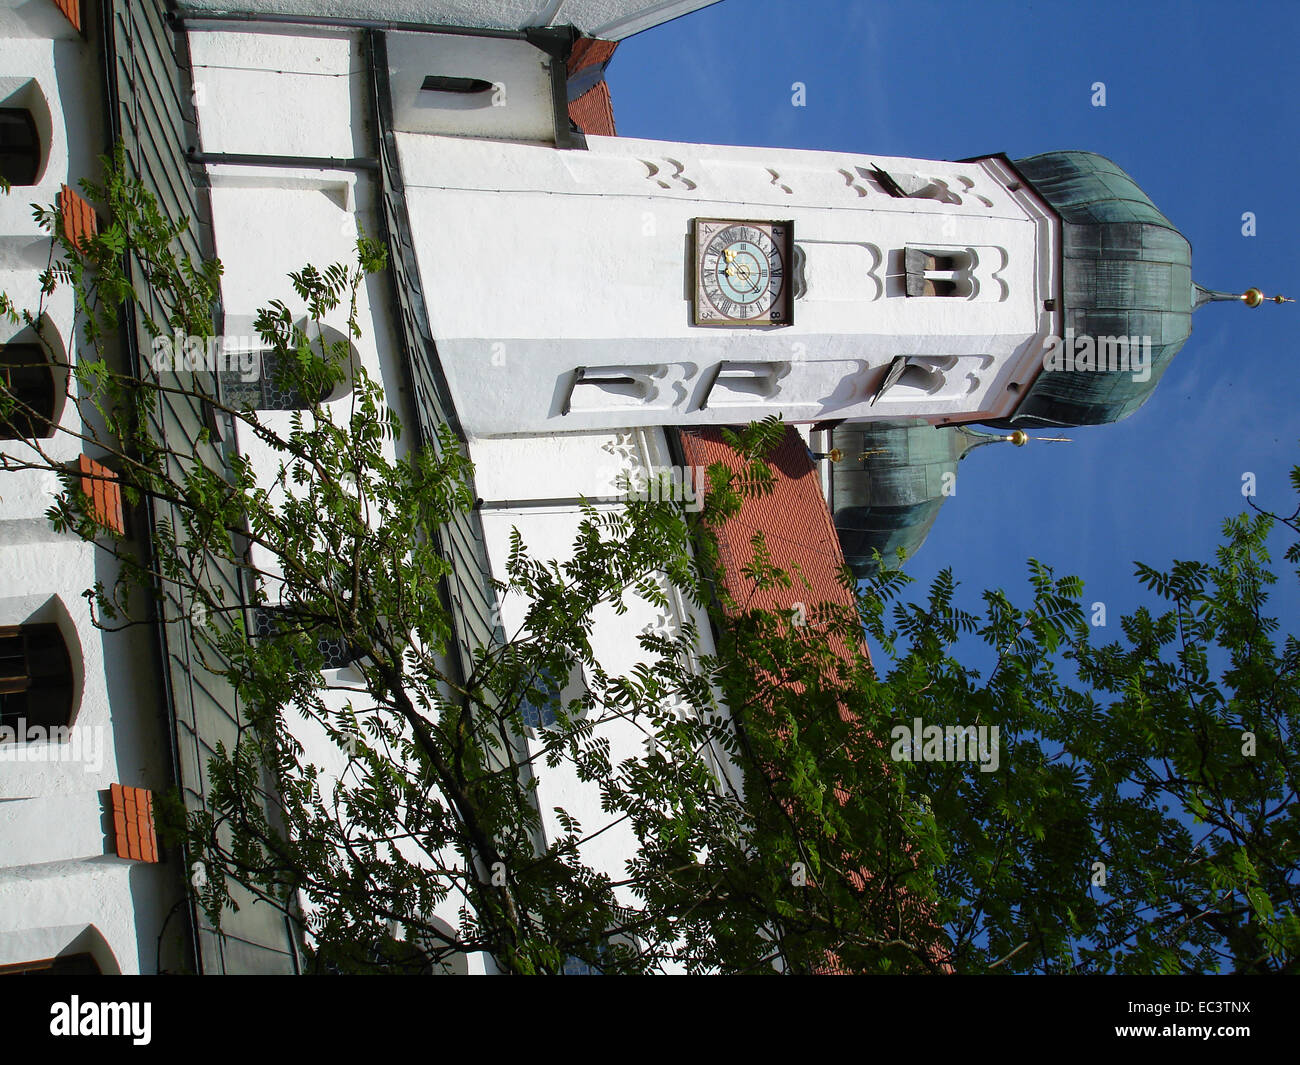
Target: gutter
x=185, y=16
x=309, y=162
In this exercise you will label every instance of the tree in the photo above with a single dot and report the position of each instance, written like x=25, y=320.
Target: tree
x=775, y=822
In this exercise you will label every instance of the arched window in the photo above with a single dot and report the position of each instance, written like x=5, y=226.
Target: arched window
x=20, y=146
x=335, y=648
x=552, y=689
x=272, y=388
x=27, y=402
x=64, y=965
x=35, y=676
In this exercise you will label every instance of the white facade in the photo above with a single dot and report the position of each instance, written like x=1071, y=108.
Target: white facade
x=268, y=221
x=260, y=91
x=535, y=486
x=540, y=262
x=63, y=889
x=274, y=217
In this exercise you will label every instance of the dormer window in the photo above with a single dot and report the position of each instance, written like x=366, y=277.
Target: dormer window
x=27, y=406
x=20, y=146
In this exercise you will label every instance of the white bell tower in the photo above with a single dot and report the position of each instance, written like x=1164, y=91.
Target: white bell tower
x=564, y=286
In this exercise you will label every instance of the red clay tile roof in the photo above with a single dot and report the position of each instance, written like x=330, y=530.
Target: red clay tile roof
x=800, y=535
x=794, y=519
x=587, y=51
x=593, y=111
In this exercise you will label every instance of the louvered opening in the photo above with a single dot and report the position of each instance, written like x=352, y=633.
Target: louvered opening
x=745, y=381
x=597, y=388
x=20, y=146
x=938, y=272
x=27, y=407
x=35, y=676
x=460, y=86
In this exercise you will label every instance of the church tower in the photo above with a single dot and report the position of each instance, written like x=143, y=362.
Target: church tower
x=646, y=283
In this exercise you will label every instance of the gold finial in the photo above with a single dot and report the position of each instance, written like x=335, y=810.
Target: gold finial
x=1020, y=438
x=1252, y=297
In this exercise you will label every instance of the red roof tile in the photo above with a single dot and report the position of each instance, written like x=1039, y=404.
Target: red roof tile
x=587, y=51
x=71, y=9
x=593, y=111
x=133, y=823
x=800, y=535
x=105, y=492
x=794, y=519
x=79, y=221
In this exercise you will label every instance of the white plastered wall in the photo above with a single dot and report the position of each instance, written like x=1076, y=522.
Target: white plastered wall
x=62, y=887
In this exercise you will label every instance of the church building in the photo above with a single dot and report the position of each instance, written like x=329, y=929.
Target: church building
x=576, y=306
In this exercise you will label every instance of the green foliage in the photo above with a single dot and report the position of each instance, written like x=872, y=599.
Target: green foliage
x=767, y=822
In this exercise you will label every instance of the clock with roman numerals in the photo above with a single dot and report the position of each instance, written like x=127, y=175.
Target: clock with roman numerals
x=740, y=272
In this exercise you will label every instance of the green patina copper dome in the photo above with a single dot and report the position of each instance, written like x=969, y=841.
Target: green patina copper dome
x=887, y=489
x=1126, y=272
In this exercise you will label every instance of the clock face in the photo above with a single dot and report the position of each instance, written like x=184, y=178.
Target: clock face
x=740, y=272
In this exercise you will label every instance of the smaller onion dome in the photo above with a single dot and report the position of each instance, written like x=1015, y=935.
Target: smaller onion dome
x=890, y=481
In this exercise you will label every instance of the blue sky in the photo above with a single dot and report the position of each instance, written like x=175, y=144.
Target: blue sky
x=1200, y=109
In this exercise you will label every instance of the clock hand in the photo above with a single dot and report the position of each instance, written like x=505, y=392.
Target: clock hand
x=744, y=273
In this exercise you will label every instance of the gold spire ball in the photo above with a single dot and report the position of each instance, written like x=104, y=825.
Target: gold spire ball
x=1252, y=297
x=1020, y=438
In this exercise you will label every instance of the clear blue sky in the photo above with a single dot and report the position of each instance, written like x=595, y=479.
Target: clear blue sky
x=1201, y=110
